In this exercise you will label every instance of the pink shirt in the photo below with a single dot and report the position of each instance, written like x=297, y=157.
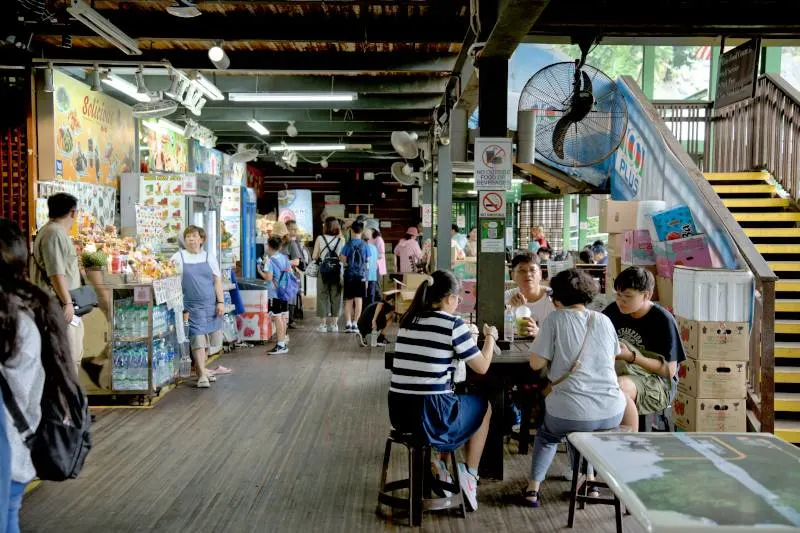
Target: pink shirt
x=381, y=246
x=408, y=252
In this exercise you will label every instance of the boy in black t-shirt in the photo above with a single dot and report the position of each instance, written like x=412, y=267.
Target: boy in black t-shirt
x=377, y=316
x=651, y=330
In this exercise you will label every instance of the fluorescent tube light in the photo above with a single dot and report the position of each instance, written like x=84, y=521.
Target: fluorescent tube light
x=125, y=87
x=317, y=147
x=103, y=27
x=207, y=87
x=258, y=127
x=162, y=124
x=292, y=97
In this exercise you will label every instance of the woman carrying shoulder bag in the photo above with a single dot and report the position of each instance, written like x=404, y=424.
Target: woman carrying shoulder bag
x=579, y=346
x=30, y=322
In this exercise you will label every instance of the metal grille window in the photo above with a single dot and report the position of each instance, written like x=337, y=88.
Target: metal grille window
x=548, y=213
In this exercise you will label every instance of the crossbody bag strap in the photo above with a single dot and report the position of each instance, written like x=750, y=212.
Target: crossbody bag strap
x=577, y=362
x=20, y=422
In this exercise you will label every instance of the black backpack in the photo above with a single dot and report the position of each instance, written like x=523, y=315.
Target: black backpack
x=357, y=261
x=330, y=268
x=62, y=441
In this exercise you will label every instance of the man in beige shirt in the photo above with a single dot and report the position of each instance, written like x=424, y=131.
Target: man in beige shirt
x=56, y=266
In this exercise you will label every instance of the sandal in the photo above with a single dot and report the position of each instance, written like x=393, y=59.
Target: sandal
x=531, y=494
x=593, y=491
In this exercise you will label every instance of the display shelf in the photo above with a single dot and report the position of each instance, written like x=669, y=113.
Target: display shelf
x=141, y=338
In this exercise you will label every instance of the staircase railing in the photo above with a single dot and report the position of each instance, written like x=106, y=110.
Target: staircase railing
x=688, y=126
x=689, y=122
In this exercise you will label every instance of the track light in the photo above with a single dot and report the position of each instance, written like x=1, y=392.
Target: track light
x=218, y=57
x=48, y=78
x=291, y=129
x=96, y=85
x=141, y=88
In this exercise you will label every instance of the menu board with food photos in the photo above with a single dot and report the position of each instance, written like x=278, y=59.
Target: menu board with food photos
x=231, y=214
x=164, y=193
x=94, y=134
x=162, y=149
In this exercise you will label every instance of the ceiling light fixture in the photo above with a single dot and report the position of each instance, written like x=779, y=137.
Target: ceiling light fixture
x=207, y=86
x=320, y=147
x=125, y=87
x=218, y=57
x=258, y=127
x=291, y=129
x=141, y=88
x=292, y=97
x=48, y=78
x=324, y=162
x=162, y=124
x=96, y=85
x=103, y=27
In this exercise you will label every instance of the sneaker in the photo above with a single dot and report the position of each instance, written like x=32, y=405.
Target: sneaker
x=469, y=485
x=202, y=383
x=439, y=471
x=333, y=329
x=286, y=339
x=211, y=377
x=382, y=341
x=279, y=350
x=361, y=340
x=323, y=328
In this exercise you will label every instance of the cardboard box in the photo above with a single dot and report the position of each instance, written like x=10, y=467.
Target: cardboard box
x=709, y=414
x=613, y=268
x=673, y=223
x=713, y=379
x=691, y=251
x=716, y=341
x=614, y=247
x=637, y=248
x=664, y=290
x=616, y=217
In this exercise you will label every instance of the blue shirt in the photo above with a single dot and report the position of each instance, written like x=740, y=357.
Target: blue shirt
x=372, y=262
x=278, y=263
x=351, y=246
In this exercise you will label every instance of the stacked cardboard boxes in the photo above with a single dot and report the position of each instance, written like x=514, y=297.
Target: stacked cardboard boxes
x=713, y=307
x=628, y=244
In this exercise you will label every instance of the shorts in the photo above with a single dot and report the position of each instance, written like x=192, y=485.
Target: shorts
x=278, y=307
x=354, y=288
x=206, y=340
x=652, y=395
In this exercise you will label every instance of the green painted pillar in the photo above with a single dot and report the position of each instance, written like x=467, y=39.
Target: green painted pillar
x=648, y=71
x=583, y=220
x=771, y=60
x=716, y=51
x=567, y=233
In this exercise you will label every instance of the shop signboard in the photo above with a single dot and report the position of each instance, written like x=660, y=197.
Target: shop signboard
x=161, y=149
x=164, y=192
x=493, y=163
x=93, y=134
x=231, y=215
x=205, y=160
x=233, y=173
x=738, y=72
x=296, y=205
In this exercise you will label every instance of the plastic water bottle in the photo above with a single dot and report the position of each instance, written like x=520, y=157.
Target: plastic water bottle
x=509, y=323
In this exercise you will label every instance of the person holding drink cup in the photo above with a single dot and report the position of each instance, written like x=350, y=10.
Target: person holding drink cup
x=530, y=300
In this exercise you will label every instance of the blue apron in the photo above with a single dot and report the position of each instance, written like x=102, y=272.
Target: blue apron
x=199, y=298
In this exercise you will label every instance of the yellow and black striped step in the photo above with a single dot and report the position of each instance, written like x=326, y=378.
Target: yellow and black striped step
x=772, y=232
x=772, y=216
x=743, y=189
x=788, y=430
x=757, y=202
x=737, y=176
x=787, y=350
x=778, y=248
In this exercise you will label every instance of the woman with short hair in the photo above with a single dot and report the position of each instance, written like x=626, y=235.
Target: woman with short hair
x=579, y=346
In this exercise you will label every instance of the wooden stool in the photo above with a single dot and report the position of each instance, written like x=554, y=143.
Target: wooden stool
x=579, y=493
x=418, y=499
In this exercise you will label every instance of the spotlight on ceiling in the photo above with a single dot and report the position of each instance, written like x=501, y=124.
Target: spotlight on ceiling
x=291, y=129
x=48, y=78
x=323, y=163
x=96, y=85
x=218, y=57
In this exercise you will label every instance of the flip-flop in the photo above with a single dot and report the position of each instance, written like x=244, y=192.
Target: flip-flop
x=220, y=370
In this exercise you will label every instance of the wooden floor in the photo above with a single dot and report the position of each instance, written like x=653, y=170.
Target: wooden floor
x=284, y=444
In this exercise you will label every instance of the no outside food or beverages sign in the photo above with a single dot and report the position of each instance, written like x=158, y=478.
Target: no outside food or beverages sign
x=493, y=163
x=492, y=204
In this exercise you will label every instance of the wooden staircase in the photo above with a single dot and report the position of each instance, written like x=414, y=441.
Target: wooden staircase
x=773, y=225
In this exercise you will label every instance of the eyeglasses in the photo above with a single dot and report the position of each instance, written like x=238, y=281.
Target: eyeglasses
x=527, y=271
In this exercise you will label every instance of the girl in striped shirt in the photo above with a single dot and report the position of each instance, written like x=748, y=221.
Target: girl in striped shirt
x=430, y=341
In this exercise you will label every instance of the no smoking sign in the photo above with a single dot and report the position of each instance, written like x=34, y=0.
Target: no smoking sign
x=492, y=204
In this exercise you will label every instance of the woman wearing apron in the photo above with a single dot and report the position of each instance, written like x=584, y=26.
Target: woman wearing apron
x=202, y=299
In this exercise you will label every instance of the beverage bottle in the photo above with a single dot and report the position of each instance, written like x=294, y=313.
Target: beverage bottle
x=186, y=362
x=509, y=323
